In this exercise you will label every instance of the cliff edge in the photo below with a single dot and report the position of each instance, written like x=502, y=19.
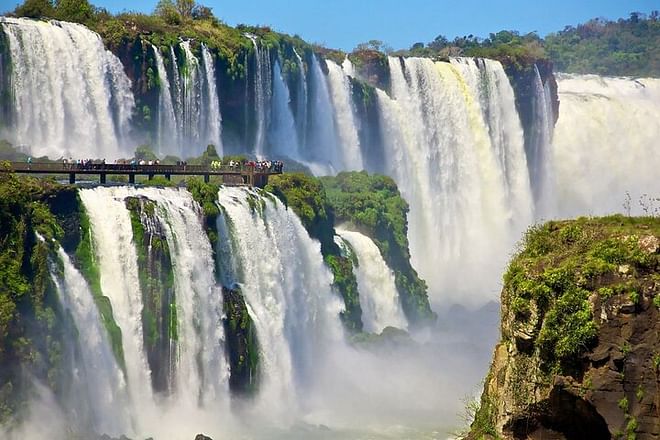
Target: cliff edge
x=579, y=355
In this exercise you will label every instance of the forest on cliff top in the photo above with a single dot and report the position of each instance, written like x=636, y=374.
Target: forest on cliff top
x=628, y=46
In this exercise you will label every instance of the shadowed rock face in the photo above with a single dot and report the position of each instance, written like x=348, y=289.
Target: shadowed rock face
x=609, y=385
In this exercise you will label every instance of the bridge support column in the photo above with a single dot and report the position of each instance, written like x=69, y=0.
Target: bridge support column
x=102, y=178
x=207, y=178
x=168, y=176
x=131, y=179
x=72, y=178
x=151, y=176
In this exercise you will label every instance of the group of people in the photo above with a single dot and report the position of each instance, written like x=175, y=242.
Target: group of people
x=260, y=166
x=263, y=166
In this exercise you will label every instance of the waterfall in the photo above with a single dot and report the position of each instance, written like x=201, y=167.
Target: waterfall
x=540, y=155
x=301, y=107
x=342, y=100
x=168, y=141
x=213, y=121
x=71, y=96
x=283, y=136
x=98, y=394
x=191, y=113
x=379, y=298
x=322, y=146
x=439, y=149
x=605, y=144
x=201, y=369
x=177, y=88
x=348, y=68
x=288, y=295
x=262, y=91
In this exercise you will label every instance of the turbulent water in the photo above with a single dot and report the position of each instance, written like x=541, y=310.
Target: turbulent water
x=379, y=298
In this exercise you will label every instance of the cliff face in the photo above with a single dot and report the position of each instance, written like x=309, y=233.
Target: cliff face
x=579, y=355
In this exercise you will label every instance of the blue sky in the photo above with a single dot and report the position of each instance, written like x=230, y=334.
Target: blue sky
x=399, y=23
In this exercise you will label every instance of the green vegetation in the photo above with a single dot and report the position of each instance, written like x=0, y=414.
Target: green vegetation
x=307, y=197
x=156, y=275
x=206, y=194
x=243, y=346
x=623, y=47
x=549, y=283
x=31, y=336
x=85, y=261
x=373, y=205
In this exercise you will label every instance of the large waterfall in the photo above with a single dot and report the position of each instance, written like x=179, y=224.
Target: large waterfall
x=287, y=290
x=70, y=95
x=283, y=134
x=466, y=183
x=606, y=145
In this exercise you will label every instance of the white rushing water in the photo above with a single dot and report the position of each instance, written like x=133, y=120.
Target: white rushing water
x=283, y=136
x=168, y=136
x=379, y=298
x=71, y=96
x=99, y=395
x=211, y=102
x=288, y=296
x=262, y=94
x=342, y=100
x=201, y=369
x=606, y=144
x=301, y=107
x=438, y=143
x=540, y=155
x=322, y=144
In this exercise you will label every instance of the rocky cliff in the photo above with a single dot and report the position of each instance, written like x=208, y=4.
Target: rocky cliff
x=579, y=355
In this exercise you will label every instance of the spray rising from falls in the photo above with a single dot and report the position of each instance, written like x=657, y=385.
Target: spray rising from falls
x=605, y=144
x=98, y=397
x=466, y=183
x=379, y=298
x=341, y=94
x=71, y=96
x=287, y=290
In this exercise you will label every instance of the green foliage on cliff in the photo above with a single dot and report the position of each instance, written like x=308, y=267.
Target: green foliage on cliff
x=31, y=339
x=550, y=285
x=623, y=47
x=86, y=262
x=373, y=204
x=242, y=342
x=307, y=197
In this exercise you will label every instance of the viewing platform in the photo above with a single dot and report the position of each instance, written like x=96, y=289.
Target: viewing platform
x=242, y=174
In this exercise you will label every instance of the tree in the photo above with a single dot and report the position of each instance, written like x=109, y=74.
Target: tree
x=78, y=11
x=35, y=9
x=185, y=7
x=201, y=12
x=166, y=9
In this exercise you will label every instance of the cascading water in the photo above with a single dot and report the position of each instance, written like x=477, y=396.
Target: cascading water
x=341, y=95
x=541, y=165
x=283, y=136
x=605, y=144
x=379, y=297
x=98, y=396
x=213, y=122
x=71, y=96
x=262, y=91
x=348, y=68
x=191, y=96
x=288, y=295
x=301, y=107
x=168, y=136
x=439, y=149
x=322, y=142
